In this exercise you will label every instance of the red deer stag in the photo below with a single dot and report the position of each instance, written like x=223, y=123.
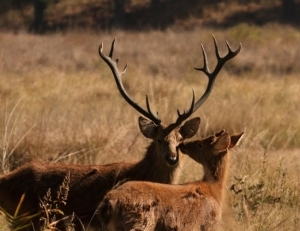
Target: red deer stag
x=89, y=183
x=192, y=206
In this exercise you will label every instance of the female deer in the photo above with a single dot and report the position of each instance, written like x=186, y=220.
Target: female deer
x=192, y=206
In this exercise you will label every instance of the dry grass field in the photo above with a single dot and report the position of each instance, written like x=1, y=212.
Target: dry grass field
x=59, y=103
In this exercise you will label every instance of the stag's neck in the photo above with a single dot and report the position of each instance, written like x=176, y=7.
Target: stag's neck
x=160, y=172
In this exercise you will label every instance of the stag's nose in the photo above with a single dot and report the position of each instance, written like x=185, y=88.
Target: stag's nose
x=172, y=160
x=172, y=157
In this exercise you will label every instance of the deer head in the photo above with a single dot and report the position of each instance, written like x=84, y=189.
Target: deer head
x=212, y=152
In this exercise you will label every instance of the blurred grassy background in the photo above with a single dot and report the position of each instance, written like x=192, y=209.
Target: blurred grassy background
x=59, y=103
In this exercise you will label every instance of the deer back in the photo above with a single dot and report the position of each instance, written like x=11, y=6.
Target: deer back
x=152, y=206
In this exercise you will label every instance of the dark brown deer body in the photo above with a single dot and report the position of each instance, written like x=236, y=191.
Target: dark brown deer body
x=192, y=206
x=89, y=183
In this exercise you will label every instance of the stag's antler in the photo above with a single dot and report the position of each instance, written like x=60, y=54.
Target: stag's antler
x=194, y=106
x=114, y=68
x=211, y=77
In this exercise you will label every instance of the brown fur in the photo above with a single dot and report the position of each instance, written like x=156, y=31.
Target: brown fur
x=89, y=183
x=192, y=206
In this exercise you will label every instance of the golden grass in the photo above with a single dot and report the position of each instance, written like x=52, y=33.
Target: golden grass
x=59, y=102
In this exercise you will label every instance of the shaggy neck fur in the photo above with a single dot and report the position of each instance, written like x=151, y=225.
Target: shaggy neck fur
x=160, y=171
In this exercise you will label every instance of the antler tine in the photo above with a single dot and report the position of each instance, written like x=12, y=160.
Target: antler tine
x=118, y=78
x=229, y=55
x=205, y=67
x=150, y=111
x=112, y=49
x=186, y=114
x=213, y=75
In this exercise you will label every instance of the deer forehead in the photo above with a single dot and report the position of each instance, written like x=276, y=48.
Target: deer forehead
x=169, y=136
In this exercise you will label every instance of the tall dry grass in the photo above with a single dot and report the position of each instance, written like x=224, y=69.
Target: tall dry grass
x=59, y=102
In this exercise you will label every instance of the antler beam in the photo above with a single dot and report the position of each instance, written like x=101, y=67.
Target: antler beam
x=118, y=78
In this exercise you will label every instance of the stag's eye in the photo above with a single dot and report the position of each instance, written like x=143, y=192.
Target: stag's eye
x=199, y=145
x=160, y=141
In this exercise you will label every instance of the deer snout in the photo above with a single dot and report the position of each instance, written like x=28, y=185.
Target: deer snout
x=172, y=158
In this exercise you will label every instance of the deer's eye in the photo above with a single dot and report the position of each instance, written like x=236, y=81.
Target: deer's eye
x=160, y=141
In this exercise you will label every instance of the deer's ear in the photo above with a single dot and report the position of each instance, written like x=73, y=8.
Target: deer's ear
x=222, y=143
x=190, y=128
x=235, y=139
x=147, y=127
